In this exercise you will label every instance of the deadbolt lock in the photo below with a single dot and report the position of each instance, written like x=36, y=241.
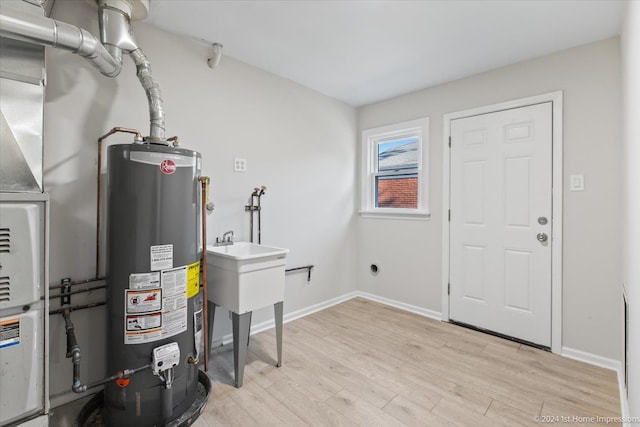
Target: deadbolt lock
x=542, y=220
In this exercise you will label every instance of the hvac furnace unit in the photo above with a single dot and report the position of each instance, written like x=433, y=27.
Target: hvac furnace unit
x=24, y=304
x=23, y=309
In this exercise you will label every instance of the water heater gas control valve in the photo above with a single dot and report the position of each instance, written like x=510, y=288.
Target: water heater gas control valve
x=165, y=357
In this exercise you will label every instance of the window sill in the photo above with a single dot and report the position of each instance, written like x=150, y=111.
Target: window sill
x=407, y=214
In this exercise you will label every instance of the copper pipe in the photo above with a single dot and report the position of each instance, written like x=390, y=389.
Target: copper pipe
x=175, y=140
x=204, y=181
x=136, y=132
x=98, y=206
x=137, y=138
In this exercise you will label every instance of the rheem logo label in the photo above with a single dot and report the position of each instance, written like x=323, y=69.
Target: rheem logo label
x=168, y=166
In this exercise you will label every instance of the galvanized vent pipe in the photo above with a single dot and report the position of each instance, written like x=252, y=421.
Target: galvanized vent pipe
x=105, y=55
x=44, y=31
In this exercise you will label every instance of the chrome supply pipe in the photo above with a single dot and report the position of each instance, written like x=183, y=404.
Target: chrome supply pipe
x=251, y=207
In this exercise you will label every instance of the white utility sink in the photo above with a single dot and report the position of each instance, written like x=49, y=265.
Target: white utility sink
x=245, y=276
x=246, y=250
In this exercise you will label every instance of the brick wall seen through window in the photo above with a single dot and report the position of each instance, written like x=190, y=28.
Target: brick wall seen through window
x=401, y=192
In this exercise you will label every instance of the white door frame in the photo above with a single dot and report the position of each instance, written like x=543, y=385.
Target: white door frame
x=556, y=212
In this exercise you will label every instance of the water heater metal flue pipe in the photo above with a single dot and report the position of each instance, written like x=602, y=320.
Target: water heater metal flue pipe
x=156, y=109
x=44, y=31
x=105, y=54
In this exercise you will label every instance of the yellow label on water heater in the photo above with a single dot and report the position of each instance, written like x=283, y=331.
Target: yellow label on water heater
x=193, y=279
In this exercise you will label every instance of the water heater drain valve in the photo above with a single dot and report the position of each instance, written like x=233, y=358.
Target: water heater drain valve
x=164, y=359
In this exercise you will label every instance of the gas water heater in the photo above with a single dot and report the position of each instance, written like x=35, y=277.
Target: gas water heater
x=153, y=302
x=154, y=305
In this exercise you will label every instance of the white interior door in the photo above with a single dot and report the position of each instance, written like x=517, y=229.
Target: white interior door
x=500, y=230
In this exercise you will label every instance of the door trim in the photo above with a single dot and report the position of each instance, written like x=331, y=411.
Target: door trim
x=556, y=211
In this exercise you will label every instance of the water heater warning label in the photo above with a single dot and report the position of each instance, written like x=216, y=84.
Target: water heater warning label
x=193, y=279
x=146, y=301
x=174, y=301
x=161, y=257
x=144, y=280
x=156, y=313
x=145, y=323
x=9, y=333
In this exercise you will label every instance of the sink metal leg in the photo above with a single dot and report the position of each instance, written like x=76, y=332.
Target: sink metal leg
x=210, y=317
x=277, y=308
x=241, y=325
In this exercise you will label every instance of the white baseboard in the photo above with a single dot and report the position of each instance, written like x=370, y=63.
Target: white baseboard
x=263, y=326
x=401, y=305
x=592, y=359
x=268, y=324
x=624, y=401
x=607, y=363
x=582, y=356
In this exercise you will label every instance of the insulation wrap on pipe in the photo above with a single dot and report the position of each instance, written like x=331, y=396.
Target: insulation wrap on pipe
x=151, y=88
x=107, y=57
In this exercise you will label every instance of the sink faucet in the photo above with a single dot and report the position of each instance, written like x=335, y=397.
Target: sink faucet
x=227, y=239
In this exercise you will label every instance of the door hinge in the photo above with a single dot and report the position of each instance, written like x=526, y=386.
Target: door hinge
x=449, y=215
x=449, y=142
x=448, y=288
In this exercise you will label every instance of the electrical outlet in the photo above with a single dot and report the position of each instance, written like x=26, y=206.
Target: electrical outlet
x=576, y=182
x=239, y=165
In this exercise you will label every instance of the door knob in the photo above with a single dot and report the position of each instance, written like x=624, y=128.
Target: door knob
x=542, y=237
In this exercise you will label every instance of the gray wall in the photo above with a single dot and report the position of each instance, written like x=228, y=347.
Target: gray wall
x=297, y=142
x=409, y=252
x=304, y=147
x=631, y=205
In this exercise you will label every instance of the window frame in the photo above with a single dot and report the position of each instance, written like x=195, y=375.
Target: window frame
x=371, y=138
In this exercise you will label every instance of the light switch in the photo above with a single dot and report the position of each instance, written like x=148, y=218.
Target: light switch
x=239, y=165
x=576, y=183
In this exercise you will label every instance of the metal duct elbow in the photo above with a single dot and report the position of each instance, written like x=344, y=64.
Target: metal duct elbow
x=115, y=33
x=43, y=31
x=104, y=54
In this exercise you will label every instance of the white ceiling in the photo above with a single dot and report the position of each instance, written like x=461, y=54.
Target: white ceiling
x=365, y=51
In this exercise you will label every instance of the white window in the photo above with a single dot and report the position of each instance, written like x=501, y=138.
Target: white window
x=394, y=170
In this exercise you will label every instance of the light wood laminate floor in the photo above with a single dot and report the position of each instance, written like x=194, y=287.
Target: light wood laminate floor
x=361, y=363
